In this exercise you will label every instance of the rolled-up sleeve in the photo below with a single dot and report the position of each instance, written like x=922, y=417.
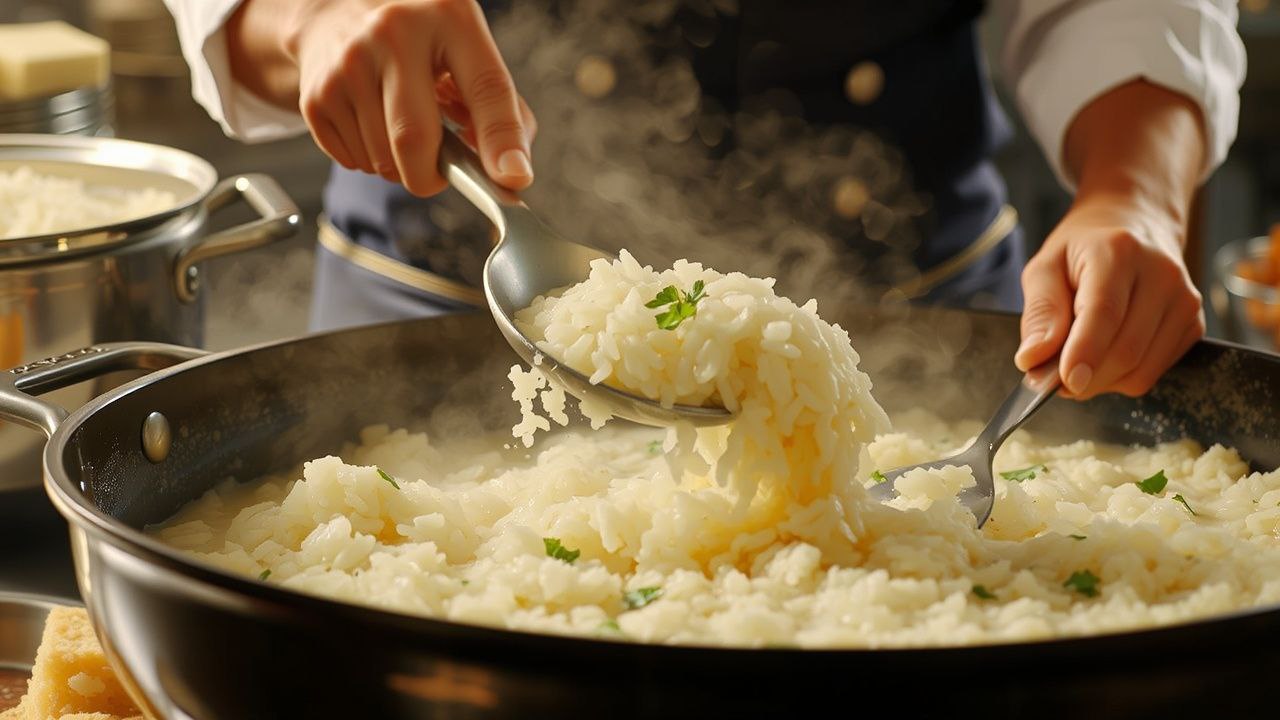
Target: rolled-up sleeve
x=1059, y=55
x=242, y=114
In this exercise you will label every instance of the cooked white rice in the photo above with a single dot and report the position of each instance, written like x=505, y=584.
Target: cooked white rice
x=33, y=204
x=463, y=529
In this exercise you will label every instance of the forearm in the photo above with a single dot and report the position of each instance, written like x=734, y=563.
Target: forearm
x=1139, y=144
x=257, y=41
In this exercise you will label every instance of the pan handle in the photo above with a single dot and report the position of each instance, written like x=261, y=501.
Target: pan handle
x=19, y=386
x=279, y=219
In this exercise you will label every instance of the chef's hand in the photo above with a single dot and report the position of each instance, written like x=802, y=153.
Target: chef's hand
x=1109, y=287
x=373, y=78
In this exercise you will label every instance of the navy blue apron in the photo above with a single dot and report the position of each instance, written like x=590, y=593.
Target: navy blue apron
x=936, y=106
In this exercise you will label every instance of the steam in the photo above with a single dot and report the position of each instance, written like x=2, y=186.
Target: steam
x=630, y=154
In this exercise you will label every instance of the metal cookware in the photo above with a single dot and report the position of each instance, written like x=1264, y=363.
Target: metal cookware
x=1030, y=394
x=196, y=642
x=530, y=259
x=83, y=111
x=136, y=280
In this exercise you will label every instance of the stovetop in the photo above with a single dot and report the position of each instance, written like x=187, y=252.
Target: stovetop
x=35, y=553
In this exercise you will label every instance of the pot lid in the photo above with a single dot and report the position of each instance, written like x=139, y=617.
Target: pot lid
x=111, y=170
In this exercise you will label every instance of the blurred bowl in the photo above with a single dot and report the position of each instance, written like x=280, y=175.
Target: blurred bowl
x=1252, y=313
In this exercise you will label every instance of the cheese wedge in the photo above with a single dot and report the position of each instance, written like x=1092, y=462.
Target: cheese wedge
x=71, y=679
x=47, y=58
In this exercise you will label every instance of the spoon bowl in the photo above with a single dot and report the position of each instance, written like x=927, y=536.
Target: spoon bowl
x=530, y=259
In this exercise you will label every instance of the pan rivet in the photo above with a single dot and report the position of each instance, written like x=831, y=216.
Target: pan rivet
x=156, y=437
x=193, y=279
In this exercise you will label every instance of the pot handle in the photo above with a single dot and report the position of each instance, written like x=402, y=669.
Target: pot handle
x=280, y=219
x=19, y=385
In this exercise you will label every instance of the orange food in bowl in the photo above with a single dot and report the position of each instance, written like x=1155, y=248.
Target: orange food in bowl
x=1266, y=271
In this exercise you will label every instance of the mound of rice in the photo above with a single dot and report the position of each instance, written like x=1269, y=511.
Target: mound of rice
x=33, y=204
x=759, y=533
x=804, y=411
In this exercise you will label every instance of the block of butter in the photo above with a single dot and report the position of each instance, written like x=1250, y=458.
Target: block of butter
x=47, y=58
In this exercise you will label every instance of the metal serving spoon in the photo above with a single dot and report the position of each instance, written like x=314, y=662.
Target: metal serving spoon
x=1037, y=386
x=531, y=259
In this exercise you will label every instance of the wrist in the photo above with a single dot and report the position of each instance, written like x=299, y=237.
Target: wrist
x=294, y=24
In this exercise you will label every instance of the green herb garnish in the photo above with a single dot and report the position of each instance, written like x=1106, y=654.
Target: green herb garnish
x=264, y=574
x=1083, y=582
x=637, y=599
x=389, y=479
x=655, y=447
x=982, y=592
x=1154, y=484
x=560, y=552
x=1177, y=497
x=680, y=305
x=1078, y=537
x=878, y=477
x=1027, y=473
x=609, y=626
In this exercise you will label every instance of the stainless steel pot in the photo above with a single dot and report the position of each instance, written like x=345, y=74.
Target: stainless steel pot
x=135, y=280
x=192, y=641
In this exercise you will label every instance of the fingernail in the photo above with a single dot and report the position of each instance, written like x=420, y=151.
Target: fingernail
x=1032, y=340
x=1079, y=377
x=514, y=163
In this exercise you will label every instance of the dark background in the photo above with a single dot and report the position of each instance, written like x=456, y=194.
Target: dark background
x=266, y=295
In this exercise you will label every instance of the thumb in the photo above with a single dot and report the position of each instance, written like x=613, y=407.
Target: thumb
x=1046, y=313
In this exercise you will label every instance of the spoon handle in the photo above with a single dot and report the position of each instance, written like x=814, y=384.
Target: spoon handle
x=460, y=165
x=1037, y=386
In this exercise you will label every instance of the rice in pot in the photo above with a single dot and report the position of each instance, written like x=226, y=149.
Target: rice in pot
x=33, y=204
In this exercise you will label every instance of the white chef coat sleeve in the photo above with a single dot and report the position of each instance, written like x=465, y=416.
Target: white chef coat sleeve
x=242, y=114
x=1061, y=54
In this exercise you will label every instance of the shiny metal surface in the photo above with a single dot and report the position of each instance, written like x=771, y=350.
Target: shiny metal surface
x=1242, y=293
x=1029, y=395
x=106, y=163
x=83, y=111
x=22, y=618
x=531, y=259
x=118, y=282
x=195, y=641
x=156, y=437
x=279, y=218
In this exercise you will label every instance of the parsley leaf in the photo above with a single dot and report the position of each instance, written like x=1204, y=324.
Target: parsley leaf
x=1154, y=484
x=1078, y=537
x=1027, y=473
x=637, y=599
x=558, y=551
x=1083, y=582
x=878, y=477
x=668, y=295
x=680, y=306
x=1177, y=497
x=655, y=447
x=982, y=592
x=610, y=626
x=264, y=574
x=389, y=479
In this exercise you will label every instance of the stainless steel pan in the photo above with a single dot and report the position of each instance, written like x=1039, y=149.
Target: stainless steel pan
x=195, y=642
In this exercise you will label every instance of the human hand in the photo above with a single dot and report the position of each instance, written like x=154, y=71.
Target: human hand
x=1110, y=290
x=375, y=77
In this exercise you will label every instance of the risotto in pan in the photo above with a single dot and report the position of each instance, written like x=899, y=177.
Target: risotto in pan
x=757, y=533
